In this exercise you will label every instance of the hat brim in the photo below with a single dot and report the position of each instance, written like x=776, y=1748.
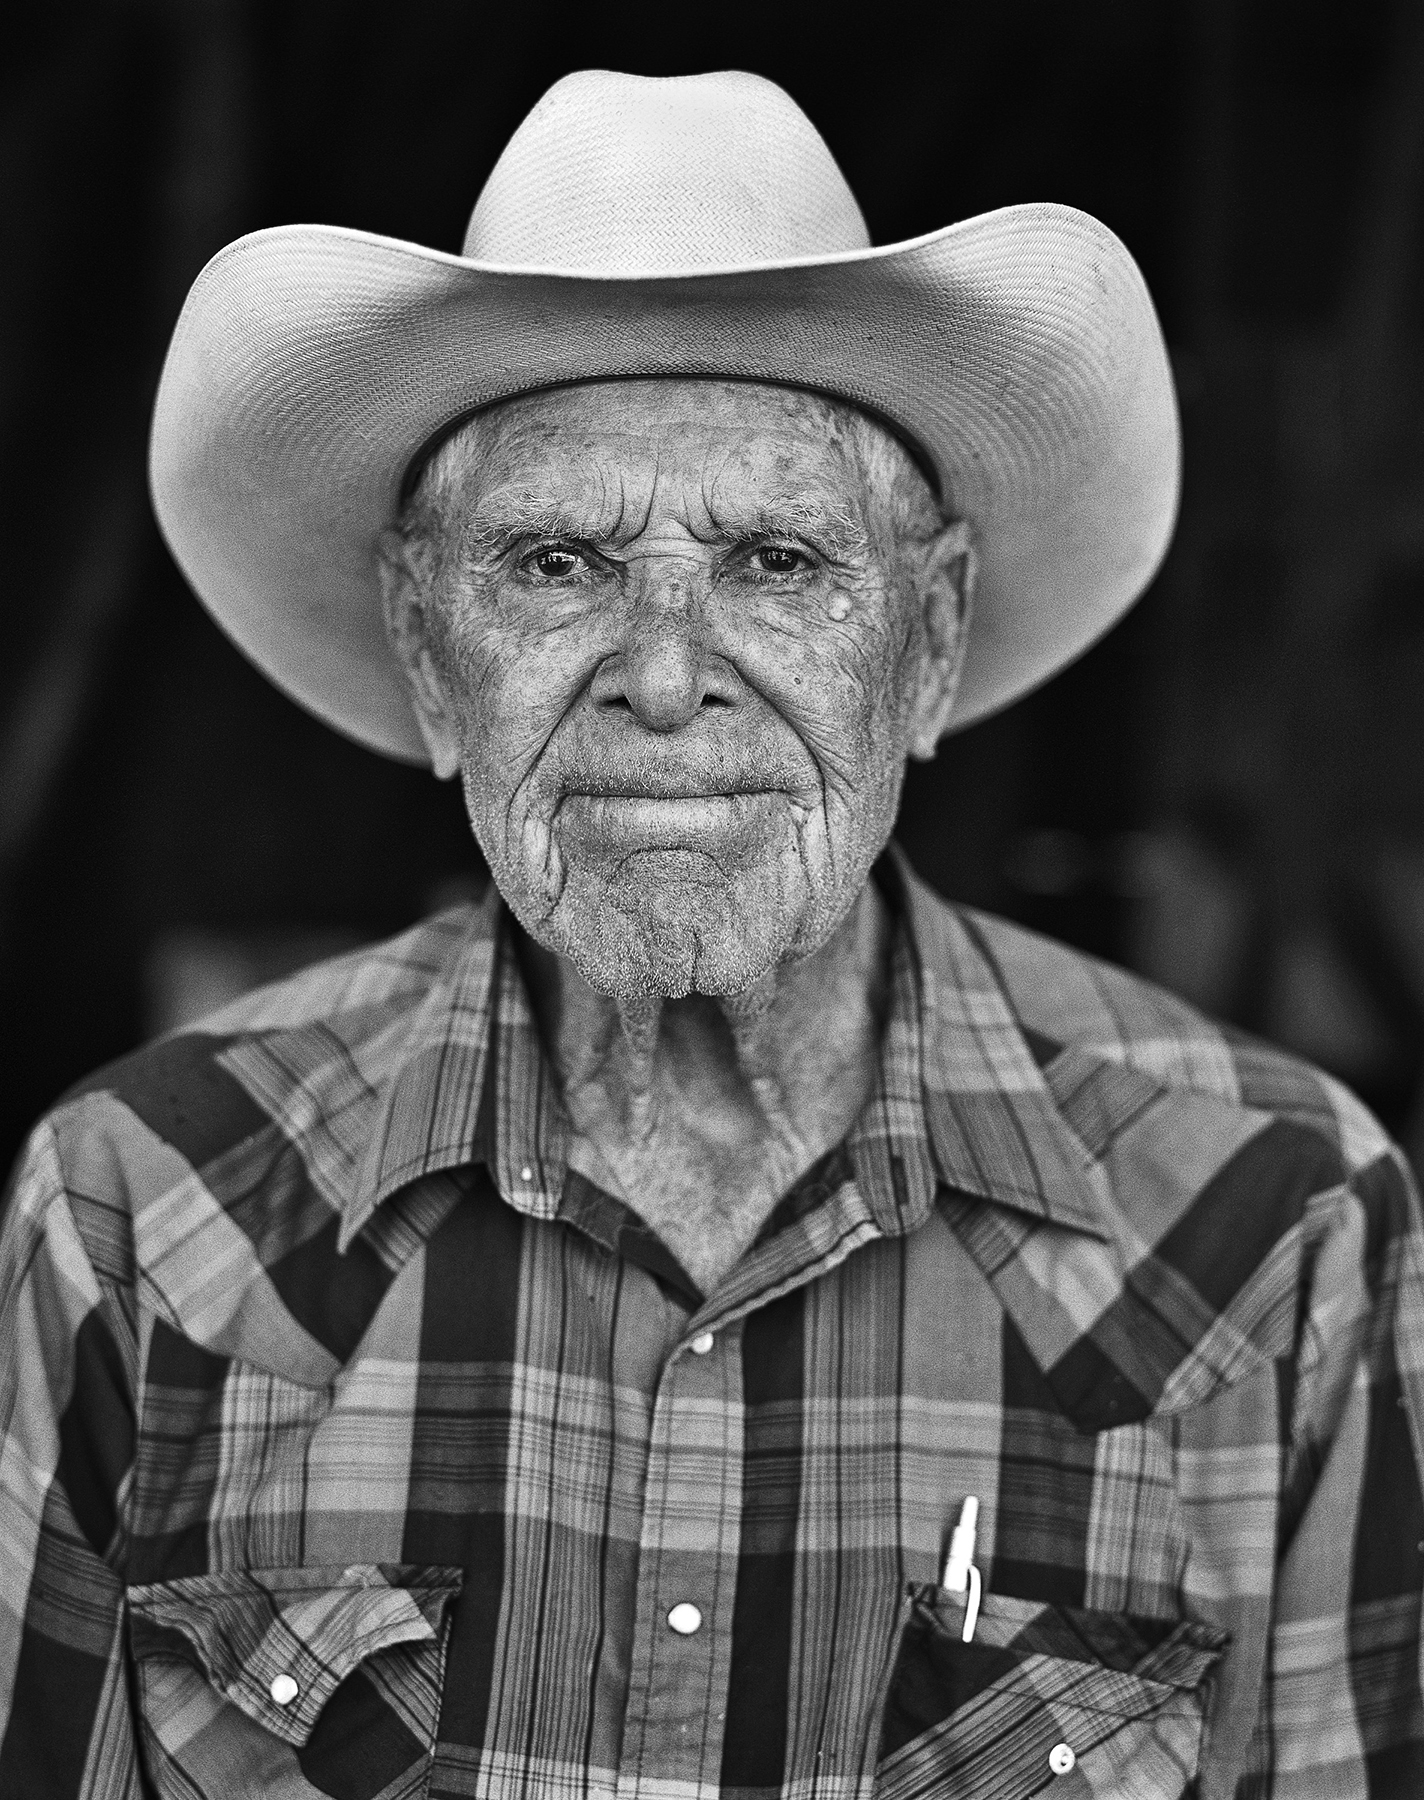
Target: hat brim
x=1019, y=349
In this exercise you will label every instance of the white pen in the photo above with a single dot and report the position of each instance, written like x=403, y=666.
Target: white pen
x=960, y=1571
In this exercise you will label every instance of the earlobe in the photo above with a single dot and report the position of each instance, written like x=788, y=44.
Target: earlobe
x=436, y=726
x=946, y=599
x=404, y=605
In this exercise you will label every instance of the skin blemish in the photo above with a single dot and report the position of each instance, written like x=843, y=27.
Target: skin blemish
x=838, y=607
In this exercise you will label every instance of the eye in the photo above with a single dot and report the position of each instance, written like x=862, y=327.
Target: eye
x=779, y=559
x=556, y=562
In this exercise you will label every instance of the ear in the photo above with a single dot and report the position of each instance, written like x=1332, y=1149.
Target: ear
x=946, y=595
x=406, y=602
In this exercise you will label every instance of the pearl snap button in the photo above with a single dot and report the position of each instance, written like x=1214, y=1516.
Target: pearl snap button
x=283, y=1690
x=685, y=1618
x=526, y=1173
x=701, y=1344
x=1061, y=1759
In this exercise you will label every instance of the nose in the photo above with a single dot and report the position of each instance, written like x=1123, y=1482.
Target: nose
x=665, y=674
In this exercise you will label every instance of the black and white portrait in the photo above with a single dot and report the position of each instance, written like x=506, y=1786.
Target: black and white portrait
x=712, y=903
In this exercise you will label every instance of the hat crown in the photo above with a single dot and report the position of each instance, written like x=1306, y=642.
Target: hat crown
x=627, y=174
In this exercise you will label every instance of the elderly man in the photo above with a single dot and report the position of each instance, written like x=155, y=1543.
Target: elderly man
x=713, y=1319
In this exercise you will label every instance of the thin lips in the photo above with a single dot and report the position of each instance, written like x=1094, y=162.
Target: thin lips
x=680, y=791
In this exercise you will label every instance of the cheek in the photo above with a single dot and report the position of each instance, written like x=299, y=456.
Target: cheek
x=512, y=682
x=832, y=670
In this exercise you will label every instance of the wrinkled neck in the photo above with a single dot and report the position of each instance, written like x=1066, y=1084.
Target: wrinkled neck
x=800, y=1045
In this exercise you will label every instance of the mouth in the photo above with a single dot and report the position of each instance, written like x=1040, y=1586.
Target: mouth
x=715, y=823
x=669, y=785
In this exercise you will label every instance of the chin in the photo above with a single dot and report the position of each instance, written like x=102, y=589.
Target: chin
x=671, y=932
x=665, y=922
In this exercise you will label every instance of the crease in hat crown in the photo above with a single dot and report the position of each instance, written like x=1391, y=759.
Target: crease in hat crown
x=614, y=174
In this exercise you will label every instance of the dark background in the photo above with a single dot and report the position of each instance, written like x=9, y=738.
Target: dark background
x=1227, y=794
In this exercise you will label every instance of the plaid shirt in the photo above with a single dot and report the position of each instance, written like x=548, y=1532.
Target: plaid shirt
x=355, y=1446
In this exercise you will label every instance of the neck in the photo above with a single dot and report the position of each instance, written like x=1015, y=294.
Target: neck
x=703, y=1110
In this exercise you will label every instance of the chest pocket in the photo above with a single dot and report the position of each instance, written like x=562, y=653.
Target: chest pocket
x=1044, y=1700
x=289, y=1683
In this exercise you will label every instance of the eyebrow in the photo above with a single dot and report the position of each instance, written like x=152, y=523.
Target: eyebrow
x=508, y=516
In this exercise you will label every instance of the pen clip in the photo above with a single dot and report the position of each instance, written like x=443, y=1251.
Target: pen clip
x=971, y=1610
x=960, y=1575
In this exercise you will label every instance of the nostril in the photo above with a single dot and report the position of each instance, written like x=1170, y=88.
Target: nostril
x=664, y=678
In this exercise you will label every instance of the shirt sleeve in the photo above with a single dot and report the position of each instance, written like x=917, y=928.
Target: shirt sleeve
x=1341, y=1709
x=67, y=1356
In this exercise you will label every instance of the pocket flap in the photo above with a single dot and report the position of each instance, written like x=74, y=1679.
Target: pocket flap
x=278, y=1642
x=1175, y=1653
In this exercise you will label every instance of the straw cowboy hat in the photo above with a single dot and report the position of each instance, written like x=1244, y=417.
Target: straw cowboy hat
x=697, y=226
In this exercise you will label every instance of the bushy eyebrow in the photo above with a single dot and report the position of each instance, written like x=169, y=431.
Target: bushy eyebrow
x=506, y=518
x=834, y=530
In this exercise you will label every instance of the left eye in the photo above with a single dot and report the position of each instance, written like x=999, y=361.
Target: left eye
x=776, y=559
x=555, y=564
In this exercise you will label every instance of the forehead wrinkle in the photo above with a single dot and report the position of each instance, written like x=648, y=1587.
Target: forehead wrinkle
x=510, y=512
x=738, y=497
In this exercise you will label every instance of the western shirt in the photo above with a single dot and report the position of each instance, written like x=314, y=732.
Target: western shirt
x=355, y=1445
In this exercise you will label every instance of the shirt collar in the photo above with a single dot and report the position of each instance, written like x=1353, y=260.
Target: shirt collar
x=435, y=1112
x=995, y=1128
x=959, y=1097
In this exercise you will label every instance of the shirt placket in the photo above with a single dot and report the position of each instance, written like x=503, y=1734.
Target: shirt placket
x=687, y=1566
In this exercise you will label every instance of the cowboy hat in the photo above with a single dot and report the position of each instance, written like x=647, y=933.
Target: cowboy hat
x=695, y=226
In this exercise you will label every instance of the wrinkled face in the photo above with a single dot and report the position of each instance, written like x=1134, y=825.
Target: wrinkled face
x=677, y=639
